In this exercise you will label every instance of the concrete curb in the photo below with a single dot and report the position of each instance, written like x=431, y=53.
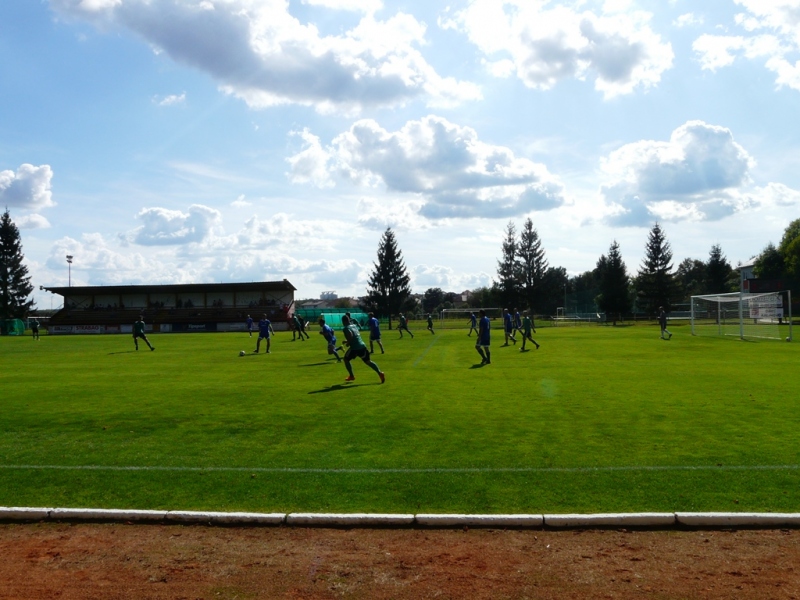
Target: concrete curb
x=720, y=520
x=435, y=520
x=350, y=519
x=611, y=520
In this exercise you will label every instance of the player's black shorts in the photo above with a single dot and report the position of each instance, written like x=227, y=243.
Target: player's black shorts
x=139, y=335
x=354, y=353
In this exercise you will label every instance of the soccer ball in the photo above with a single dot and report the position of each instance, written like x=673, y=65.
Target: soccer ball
x=242, y=353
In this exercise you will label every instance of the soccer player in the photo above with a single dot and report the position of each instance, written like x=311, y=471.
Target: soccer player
x=517, y=321
x=508, y=326
x=138, y=332
x=356, y=349
x=430, y=324
x=303, y=331
x=473, y=324
x=34, y=328
x=484, y=339
x=374, y=332
x=662, y=321
x=326, y=332
x=403, y=324
x=249, y=323
x=527, y=325
x=265, y=331
x=297, y=328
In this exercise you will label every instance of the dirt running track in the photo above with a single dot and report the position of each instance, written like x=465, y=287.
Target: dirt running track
x=82, y=561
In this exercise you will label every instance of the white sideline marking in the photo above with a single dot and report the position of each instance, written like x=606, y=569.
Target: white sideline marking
x=445, y=470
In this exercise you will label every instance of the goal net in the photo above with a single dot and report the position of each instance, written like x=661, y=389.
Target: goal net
x=743, y=315
x=459, y=318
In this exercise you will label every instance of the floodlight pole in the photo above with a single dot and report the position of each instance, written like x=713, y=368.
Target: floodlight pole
x=69, y=268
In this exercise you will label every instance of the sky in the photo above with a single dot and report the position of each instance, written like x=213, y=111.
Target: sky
x=198, y=141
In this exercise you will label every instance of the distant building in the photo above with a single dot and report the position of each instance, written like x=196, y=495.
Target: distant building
x=331, y=295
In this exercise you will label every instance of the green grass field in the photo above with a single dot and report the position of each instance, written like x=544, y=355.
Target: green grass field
x=601, y=419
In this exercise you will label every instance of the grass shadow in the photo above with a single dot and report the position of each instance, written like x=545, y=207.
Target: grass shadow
x=317, y=364
x=336, y=388
x=122, y=352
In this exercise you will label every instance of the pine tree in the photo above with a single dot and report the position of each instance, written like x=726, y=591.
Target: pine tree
x=389, y=287
x=614, y=282
x=769, y=264
x=532, y=266
x=655, y=284
x=15, y=284
x=718, y=272
x=508, y=271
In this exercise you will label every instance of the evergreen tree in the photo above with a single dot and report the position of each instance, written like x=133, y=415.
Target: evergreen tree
x=388, y=289
x=552, y=290
x=769, y=264
x=655, y=284
x=718, y=272
x=508, y=272
x=612, y=274
x=15, y=284
x=532, y=266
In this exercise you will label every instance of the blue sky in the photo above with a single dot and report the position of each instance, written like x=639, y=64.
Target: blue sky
x=177, y=141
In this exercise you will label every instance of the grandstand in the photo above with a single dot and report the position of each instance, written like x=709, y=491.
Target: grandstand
x=190, y=307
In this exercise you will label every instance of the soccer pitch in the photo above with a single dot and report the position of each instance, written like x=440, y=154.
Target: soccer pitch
x=601, y=419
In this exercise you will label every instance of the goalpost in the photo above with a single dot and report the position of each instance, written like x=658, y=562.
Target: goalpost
x=458, y=318
x=743, y=315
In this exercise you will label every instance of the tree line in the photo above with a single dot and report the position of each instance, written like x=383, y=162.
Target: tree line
x=525, y=280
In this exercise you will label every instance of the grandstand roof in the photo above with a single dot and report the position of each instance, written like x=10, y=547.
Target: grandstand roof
x=265, y=286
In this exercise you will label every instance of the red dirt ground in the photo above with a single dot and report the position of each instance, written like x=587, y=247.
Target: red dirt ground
x=82, y=561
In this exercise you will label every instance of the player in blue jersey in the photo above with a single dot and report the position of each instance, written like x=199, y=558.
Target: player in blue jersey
x=356, y=348
x=473, y=324
x=374, y=332
x=508, y=326
x=328, y=333
x=249, y=323
x=484, y=339
x=265, y=331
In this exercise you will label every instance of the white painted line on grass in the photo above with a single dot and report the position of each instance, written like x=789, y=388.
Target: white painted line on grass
x=611, y=520
x=410, y=471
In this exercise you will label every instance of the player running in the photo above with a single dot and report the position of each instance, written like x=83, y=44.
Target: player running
x=356, y=349
x=484, y=339
x=297, y=328
x=326, y=332
x=403, y=324
x=374, y=332
x=473, y=324
x=508, y=326
x=527, y=325
x=265, y=332
x=138, y=332
x=430, y=324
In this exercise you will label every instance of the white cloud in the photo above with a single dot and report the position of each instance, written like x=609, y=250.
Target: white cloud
x=617, y=48
x=257, y=51
x=28, y=187
x=426, y=276
x=771, y=32
x=165, y=227
x=378, y=214
x=171, y=100
x=32, y=221
x=447, y=167
x=688, y=20
x=699, y=174
x=311, y=164
x=365, y=6
x=240, y=202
